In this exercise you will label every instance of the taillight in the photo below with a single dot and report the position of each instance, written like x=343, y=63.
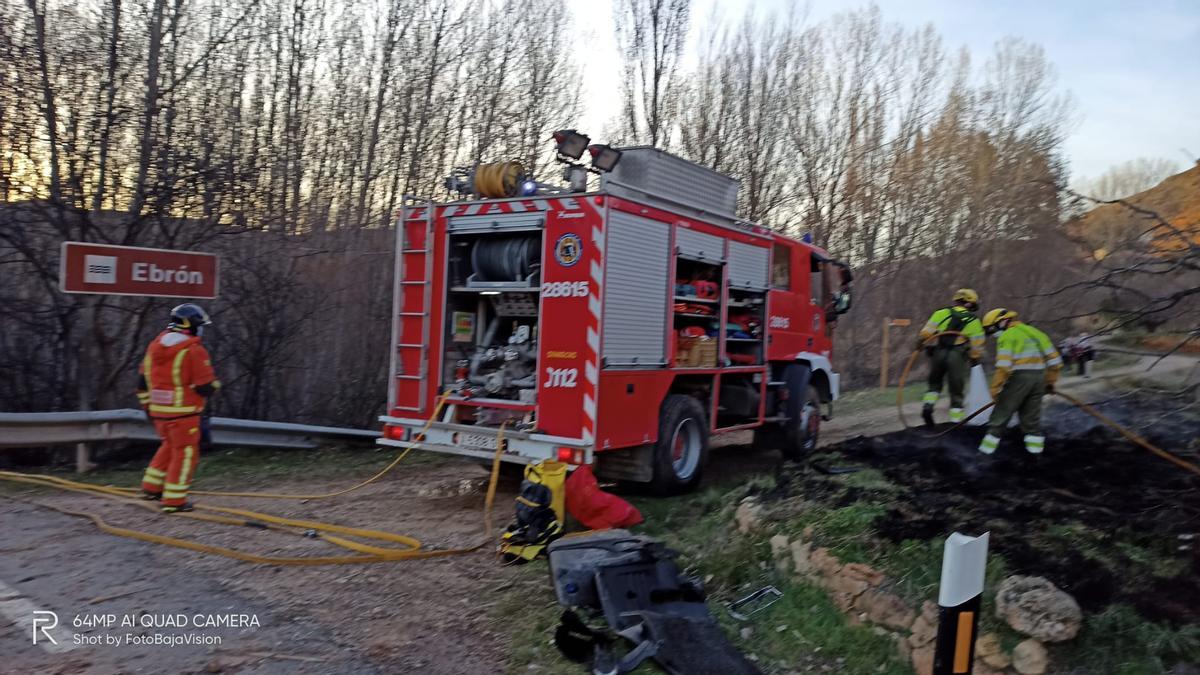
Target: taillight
x=394, y=433
x=571, y=455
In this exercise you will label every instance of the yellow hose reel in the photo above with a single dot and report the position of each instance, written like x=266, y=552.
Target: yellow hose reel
x=499, y=179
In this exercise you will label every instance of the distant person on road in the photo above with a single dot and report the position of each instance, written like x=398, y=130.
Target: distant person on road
x=951, y=356
x=1027, y=368
x=175, y=379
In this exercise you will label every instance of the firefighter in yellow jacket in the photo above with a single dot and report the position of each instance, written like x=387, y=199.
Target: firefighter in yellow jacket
x=1027, y=367
x=951, y=356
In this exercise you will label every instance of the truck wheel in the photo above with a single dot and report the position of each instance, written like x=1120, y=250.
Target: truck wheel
x=797, y=436
x=804, y=428
x=682, y=447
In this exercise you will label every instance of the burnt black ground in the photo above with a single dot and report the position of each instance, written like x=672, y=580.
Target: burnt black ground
x=1133, y=506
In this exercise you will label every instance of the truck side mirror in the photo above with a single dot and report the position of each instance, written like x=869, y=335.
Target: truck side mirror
x=842, y=301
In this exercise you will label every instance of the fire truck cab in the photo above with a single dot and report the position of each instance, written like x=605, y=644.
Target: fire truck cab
x=621, y=327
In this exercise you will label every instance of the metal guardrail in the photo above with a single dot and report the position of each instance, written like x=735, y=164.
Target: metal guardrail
x=32, y=430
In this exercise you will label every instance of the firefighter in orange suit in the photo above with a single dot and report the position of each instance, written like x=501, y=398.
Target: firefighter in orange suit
x=175, y=379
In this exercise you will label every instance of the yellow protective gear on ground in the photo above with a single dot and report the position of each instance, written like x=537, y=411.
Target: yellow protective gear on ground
x=553, y=475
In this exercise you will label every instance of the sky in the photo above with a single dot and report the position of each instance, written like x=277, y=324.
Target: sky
x=1132, y=68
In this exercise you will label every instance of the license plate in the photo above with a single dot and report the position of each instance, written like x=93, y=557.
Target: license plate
x=477, y=441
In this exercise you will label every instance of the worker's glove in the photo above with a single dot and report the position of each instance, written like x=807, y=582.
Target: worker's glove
x=995, y=392
x=205, y=434
x=921, y=344
x=1049, y=387
x=973, y=361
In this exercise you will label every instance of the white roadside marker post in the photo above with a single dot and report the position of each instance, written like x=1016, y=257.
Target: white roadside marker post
x=959, y=596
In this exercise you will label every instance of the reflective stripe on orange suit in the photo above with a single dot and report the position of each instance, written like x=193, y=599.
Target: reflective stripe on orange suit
x=171, y=470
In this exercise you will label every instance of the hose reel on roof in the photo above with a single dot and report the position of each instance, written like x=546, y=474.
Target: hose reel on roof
x=495, y=180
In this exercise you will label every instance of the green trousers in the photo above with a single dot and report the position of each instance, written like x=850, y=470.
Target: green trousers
x=1022, y=393
x=949, y=365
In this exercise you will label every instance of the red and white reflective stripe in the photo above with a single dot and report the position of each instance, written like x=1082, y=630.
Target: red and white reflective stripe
x=591, y=365
x=487, y=208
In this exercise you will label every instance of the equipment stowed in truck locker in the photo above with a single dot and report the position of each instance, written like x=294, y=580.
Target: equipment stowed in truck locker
x=620, y=328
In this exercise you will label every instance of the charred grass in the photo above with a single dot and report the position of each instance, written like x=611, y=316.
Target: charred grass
x=1103, y=519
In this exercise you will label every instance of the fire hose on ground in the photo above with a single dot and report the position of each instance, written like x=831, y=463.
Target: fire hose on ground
x=1107, y=421
x=409, y=547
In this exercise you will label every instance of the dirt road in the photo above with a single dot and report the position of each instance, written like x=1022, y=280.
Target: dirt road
x=428, y=616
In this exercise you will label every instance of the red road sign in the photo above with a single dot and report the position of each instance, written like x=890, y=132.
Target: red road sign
x=128, y=270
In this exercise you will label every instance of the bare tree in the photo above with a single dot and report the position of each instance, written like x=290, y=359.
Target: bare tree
x=1128, y=178
x=650, y=38
x=277, y=133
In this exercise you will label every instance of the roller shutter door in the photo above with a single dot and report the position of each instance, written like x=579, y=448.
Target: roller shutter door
x=638, y=251
x=693, y=244
x=748, y=265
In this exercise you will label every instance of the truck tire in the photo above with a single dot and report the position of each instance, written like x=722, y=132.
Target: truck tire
x=682, y=448
x=797, y=436
x=803, y=429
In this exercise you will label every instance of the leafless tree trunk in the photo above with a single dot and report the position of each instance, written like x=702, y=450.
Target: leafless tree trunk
x=650, y=38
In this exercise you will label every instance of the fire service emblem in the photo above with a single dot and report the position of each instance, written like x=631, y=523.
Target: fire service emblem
x=568, y=249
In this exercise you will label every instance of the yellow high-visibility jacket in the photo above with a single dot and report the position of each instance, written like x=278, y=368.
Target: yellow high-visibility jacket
x=972, y=329
x=1023, y=347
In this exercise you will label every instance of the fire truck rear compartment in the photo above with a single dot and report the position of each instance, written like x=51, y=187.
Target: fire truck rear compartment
x=491, y=328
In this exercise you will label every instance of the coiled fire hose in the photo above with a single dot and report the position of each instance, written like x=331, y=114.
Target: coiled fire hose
x=409, y=547
x=504, y=258
x=1107, y=421
x=499, y=179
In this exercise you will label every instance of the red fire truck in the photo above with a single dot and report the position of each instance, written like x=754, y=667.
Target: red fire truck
x=620, y=327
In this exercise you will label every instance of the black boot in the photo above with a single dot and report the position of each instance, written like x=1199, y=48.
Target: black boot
x=927, y=414
x=151, y=496
x=182, y=508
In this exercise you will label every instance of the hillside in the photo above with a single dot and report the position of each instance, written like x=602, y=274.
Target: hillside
x=1110, y=227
